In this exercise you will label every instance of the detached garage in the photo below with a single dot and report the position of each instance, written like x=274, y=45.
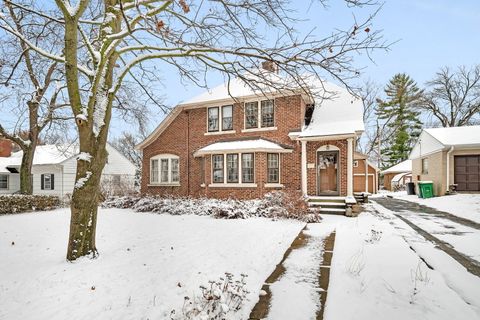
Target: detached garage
x=450, y=157
x=365, y=174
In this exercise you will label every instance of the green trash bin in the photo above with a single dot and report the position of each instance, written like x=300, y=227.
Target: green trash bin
x=426, y=189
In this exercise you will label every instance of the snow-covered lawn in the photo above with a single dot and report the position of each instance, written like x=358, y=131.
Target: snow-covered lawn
x=376, y=275
x=148, y=263
x=462, y=205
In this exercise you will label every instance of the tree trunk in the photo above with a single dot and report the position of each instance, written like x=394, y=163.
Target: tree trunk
x=26, y=183
x=84, y=203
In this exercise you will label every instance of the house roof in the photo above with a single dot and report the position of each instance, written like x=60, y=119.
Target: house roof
x=250, y=145
x=404, y=166
x=456, y=136
x=337, y=112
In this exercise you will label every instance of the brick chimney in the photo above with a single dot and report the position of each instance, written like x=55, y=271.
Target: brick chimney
x=5, y=147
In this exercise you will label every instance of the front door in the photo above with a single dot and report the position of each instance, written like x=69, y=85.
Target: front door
x=327, y=173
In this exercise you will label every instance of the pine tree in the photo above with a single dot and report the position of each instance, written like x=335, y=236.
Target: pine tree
x=401, y=117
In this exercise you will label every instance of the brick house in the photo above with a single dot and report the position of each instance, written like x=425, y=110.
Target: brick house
x=243, y=147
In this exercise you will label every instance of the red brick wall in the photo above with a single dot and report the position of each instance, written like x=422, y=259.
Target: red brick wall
x=312, y=147
x=186, y=134
x=5, y=148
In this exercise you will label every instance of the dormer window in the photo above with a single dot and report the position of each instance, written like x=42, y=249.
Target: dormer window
x=220, y=118
x=259, y=117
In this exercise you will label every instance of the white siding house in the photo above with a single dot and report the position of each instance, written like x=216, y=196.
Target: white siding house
x=54, y=169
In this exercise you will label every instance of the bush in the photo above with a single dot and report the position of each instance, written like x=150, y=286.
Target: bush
x=274, y=205
x=17, y=203
x=218, y=300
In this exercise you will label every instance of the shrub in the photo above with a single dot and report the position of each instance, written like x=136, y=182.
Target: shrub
x=218, y=300
x=16, y=203
x=274, y=205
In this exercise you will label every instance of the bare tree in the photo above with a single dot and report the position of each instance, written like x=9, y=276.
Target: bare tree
x=31, y=83
x=125, y=144
x=453, y=97
x=227, y=36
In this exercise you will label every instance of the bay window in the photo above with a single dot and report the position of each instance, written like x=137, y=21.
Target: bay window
x=165, y=169
x=247, y=167
x=217, y=165
x=232, y=168
x=273, y=168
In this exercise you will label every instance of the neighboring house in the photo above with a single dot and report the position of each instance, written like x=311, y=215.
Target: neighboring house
x=448, y=156
x=216, y=146
x=398, y=175
x=365, y=174
x=54, y=168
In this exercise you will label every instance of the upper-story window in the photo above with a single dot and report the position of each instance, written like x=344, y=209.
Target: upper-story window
x=220, y=118
x=164, y=169
x=263, y=117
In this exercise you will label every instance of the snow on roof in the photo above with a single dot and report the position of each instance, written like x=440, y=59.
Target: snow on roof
x=336, y=112
x=49, y=154
x=253, y=145
x=404, y=166
x=467, y=135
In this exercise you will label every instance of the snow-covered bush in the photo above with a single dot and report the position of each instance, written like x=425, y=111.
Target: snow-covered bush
x=218, y=300
x=274, y=205
x=17, y=203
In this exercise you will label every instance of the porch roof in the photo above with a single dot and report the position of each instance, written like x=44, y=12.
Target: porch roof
x=242, y=146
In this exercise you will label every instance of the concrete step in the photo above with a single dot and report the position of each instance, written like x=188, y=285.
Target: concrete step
x=327, y=204
x=333, y=211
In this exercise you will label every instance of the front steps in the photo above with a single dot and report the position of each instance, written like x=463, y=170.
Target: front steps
x=328, y=204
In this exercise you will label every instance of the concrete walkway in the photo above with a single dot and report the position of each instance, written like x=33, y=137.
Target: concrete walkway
x=404, y=209
x=297, y=288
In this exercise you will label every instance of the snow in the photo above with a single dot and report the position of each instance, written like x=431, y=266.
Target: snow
x=81, y=116
x=336, y=111
x=147, y=263
x=46, y=154
x=404, y=166
x=462, y=205
x=242, y=146
x=81, y=182
x=84, y=156
x=375, y=274
x=456, y=136
x=297, y=292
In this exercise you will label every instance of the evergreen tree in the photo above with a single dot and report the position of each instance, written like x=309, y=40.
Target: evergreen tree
x=402, y=119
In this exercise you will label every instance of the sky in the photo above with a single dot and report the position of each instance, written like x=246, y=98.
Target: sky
x=426, y=35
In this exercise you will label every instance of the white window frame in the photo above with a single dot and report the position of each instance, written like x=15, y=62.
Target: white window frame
x=226, y=184
x=169, y=158
x=8, y=181
x=49, y=175
x=220, y=120
x=279, y=166
x=259, y=117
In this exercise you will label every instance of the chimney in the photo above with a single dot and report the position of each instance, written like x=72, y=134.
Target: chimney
x=5, y=147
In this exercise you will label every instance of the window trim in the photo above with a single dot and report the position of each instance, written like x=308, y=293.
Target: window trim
x=159, y=158
x=223, y=168
x=261, y=113
x=423, y=167
x=259, y=126
x=8, y=181
x=220, y=129
x=49, y=175
x=238, y=167
x=278, y=164
x=225, y=183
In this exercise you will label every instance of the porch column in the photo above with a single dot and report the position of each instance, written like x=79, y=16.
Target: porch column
x=366, y=176
x=350, y=167
x=304, y=167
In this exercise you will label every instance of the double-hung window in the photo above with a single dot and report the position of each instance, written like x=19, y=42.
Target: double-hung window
x=165, y=169
x=267, y=113
x=247, y=167
x=273, y=168
x=259, y=117
x=232, y=168
x=47, y=181
x=3, y=181
x=220, y=119
x=251, y=115
x=217, y=168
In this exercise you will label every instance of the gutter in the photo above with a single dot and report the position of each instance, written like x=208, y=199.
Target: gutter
x=448, y=167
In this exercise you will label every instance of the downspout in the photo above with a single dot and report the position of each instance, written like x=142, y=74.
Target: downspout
x=188, y=153
x=448, y=167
